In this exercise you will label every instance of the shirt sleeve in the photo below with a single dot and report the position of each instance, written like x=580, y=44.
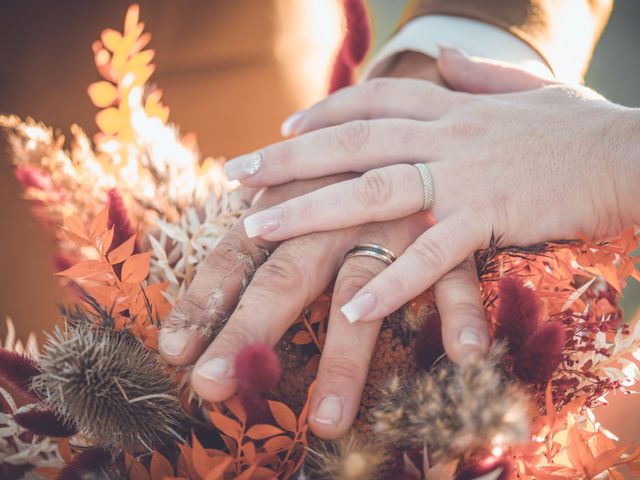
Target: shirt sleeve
x=424, y=34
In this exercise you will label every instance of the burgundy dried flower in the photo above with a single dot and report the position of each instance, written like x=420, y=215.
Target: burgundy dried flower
x=355, y=45
x=429, y=346
x=43, y=421
x=258, y=371
x=33, y=177
x=341, y=75
x=541, y=354
x=518, y=313
x=358, y=38
x=17, y=371
x=119, y=219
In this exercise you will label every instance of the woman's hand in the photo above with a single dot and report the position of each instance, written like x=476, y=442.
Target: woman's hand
x=533, y=166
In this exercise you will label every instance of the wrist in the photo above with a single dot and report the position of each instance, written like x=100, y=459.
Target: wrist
x=627, y=165
x=411, y=64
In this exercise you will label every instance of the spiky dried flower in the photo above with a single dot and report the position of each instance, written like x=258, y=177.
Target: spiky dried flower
x=455, y=408
x=109, y=386
x=351, y=457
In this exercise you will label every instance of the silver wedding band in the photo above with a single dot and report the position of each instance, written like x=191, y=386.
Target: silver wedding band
x=427, y=185
x=371, y=250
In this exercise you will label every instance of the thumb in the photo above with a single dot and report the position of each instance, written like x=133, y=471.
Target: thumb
x=480, y=75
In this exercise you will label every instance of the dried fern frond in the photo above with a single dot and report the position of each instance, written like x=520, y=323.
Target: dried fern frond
x=109, y=386
x=349, y=458
x=455, y=408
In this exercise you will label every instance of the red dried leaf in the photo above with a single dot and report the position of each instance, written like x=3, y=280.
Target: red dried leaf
x=17, y=371
x=221, y=464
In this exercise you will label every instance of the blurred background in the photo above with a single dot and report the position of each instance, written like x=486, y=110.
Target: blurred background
x=231, y=71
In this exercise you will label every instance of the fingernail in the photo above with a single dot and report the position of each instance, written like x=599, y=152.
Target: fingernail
x=288, y=127
x=216, y=369
x=358, y=307
x=329, y=412
x=244, y=166
x=469, y=337
x=263, y=222
x=173, y=342
x=448, y=49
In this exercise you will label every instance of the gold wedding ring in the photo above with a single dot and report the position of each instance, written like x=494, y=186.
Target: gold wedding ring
x=371, y=250
x=427, y=185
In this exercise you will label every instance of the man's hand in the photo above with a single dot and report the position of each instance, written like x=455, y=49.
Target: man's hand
x=295, y=273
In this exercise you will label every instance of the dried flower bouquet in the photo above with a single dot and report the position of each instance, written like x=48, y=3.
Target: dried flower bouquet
x=138, y=209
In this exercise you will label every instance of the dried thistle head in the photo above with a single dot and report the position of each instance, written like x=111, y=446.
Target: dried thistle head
x=455, y=409
x=109, y=386
x=349, y=458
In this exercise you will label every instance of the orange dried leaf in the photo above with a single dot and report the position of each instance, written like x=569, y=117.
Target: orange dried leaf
x=220, y=467
x=302, y=338
x=283, y=415
x=236, y=408
x=135, y=470
x=85, y=269
x=110, y=120
x=103, y=94
x=131, y=18
x=263, y=473
x=160, y=467
x=226, y=425
x=75, y=225
x=136, y=268
x=246, y=475
x=579, y=453
x=111, y=39
x=123, y=251
x=278, y=444
x=259, y=432
x=103, y=242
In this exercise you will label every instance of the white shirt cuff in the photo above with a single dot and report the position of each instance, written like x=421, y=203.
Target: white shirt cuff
x=475, y=38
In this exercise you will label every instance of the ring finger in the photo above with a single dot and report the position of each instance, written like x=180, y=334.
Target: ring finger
x=348, y=348
x=378, y=195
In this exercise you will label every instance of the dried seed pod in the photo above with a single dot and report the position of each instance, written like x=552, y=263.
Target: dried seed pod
x=455, y=408
x=109, y=386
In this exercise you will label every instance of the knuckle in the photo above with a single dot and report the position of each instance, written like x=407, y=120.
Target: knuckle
x=233, y=251
x=374, y=187
x=352, y=136
x=466, y=309
x=428, y=254
x=461, y=128
x=283, y=272
x=236, y=335
x=353, y=280
x=343, y=368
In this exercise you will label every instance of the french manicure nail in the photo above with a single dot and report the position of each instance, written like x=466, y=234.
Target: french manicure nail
x=358, y=307
x=216, y=369
x=288, y=127
x=243, y=166
x=173, y=342
x=329, y=411
x=444, y=48
x=469, y=337
x=263, y=222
